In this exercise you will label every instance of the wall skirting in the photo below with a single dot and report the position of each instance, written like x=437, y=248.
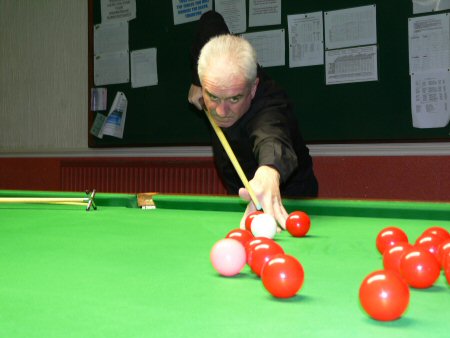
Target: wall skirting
x=358, y=177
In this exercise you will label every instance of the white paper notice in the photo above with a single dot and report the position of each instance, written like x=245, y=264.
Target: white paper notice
x=111, y=68
x=264, y=12
x=118, y=10
x=429, y=43
x=111, y=57
x=143, y=68
x=234, y=14
x=430, y=99
x=305, y=39
x=351, y=27
x=351, y=65
x=269, y=46
x=423, y=6
x=115, y=121
x=110, y=37
x=98, y=98
x=189, y=10
x=98, y=124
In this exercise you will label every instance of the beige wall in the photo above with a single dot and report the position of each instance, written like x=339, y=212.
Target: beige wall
x=43, y=75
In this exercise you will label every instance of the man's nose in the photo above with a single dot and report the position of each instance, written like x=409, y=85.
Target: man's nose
x=221, y=109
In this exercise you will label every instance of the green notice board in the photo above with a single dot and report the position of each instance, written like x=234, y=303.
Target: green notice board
x=376, y=111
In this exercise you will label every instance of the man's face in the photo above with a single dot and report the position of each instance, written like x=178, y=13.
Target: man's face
x=226, y=97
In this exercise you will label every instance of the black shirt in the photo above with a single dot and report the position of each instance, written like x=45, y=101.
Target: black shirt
x=267, y=134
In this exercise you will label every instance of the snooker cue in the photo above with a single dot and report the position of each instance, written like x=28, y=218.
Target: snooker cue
x=42, y=200
x=233, y=160
x=70, y=203
x=88, y=201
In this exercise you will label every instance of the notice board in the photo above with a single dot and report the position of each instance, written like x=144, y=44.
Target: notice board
x=374, y=111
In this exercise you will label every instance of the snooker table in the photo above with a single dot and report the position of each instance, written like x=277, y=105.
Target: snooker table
x=122, y=271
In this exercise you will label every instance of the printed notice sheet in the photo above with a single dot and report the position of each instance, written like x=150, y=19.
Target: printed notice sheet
x=430, y=99
x=115, y=121
x=110, y=37
x=234, y=14
x=429, y=43
x=112, y=68
x=189, y=10
x=118, y=10
x=264, y=12
x=350, y=27
x=98, y=124
x=98, y=98
x=423, y=6
x=305, y=39
x=111, y=57
x=357, y=64
x=143, y=68
x=269, y=45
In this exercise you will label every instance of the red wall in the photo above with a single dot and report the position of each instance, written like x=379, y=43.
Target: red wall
x=390, y=177
x=30, y=173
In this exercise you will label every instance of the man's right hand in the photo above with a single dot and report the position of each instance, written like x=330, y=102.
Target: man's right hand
x=195, y=96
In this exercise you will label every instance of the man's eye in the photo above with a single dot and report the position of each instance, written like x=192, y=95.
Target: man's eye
x=235, y=99
x=214, y=98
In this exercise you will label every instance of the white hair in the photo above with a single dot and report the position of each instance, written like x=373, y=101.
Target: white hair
x=235, y=51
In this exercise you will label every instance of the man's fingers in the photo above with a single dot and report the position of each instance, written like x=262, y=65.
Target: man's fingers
x=280, y=214
x=244, y=194
x=250, y=208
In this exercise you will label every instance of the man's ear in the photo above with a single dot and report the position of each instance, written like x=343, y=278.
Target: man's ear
x=254, y=87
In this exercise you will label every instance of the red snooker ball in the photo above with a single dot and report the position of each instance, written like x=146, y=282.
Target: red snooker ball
x=436, y=230
x=419, y=268
x=261, y=254
x=447, y=267
x=241, y=235
x=249, y=219
x=390, y=236
x=384, y=295
x=392, y=256
x=298, y=223
x=443, y=251
x=254, y=242
x=283, y=276
x=430, y=243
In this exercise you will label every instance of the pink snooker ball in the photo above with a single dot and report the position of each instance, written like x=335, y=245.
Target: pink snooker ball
x=228, y=257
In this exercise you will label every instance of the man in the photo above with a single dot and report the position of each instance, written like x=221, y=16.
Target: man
x=256, y=117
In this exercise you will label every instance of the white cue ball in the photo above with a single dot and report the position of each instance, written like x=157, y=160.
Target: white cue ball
x=264, y=225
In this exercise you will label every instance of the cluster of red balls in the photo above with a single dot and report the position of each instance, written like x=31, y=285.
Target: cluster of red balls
x=282, y=275
x=384, y=294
